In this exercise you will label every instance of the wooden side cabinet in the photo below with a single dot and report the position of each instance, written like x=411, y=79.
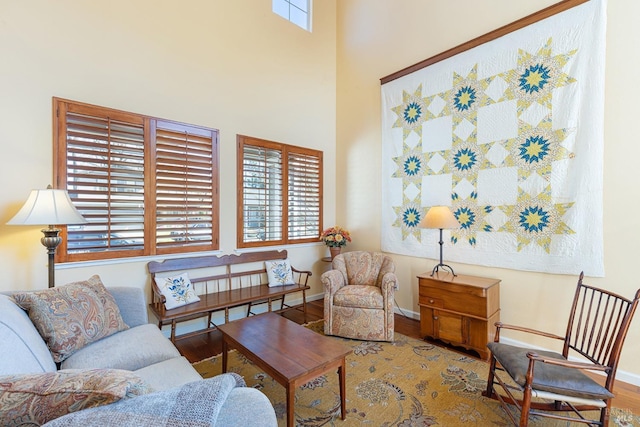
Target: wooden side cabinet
x=460, y=310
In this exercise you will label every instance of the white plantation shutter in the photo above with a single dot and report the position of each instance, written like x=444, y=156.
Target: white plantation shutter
x=145, y=186
x=280, y=187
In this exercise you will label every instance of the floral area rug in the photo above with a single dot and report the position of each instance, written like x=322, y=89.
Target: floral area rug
x=405, y=383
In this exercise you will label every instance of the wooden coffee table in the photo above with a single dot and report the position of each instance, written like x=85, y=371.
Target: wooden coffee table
x=291, y=354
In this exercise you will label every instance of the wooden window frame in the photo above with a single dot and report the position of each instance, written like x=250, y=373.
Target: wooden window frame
x=286, y=228
x=149, y=224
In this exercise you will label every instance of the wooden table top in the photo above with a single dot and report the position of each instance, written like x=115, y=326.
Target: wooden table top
x=293, y=350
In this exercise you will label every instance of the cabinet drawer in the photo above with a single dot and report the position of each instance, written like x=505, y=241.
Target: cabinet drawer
x=430, y=301
x=462, y=302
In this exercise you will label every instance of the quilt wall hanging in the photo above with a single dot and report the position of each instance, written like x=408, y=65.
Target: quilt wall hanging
x=507, y=131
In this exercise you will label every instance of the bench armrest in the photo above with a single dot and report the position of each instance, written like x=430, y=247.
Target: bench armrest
x=302, y=276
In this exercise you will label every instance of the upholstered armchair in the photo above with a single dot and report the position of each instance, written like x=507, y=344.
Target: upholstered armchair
x=358, y=296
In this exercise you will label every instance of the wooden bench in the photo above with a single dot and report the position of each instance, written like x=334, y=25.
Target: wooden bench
x=222, y=283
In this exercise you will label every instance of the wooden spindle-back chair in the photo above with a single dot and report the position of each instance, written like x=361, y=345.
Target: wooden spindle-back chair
x=545, y=383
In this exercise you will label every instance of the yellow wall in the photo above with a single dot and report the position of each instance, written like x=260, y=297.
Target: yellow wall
x=379, y=37
x=230, y=65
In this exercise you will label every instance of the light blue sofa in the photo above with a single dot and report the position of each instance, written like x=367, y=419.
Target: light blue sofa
x=143, y=349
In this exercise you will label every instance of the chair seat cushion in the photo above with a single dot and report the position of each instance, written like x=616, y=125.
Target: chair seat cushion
x=547, y=377
x=359, y=296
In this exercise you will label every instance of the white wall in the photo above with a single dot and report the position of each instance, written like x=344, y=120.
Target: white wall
x=230, y=65
x=377, y=38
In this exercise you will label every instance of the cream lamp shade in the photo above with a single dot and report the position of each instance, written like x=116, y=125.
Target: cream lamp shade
x=48, y=207
x=440, y=217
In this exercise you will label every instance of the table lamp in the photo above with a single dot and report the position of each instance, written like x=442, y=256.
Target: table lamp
x=48, y=207
x=440, y=217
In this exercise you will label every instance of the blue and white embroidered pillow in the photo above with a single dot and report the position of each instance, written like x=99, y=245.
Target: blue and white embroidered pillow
x=177, y=290
x=279, y=272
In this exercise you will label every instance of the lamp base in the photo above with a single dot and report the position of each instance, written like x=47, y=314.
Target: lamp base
x=444, y=267
x=51, y=240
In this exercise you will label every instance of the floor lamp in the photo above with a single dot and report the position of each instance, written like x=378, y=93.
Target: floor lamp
x=48, y=207
x=440, y=217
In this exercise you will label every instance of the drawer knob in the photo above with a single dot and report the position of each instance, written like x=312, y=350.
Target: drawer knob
x=435, y=317
x=430, y=301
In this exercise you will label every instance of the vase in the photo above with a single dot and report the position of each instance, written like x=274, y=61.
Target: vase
x=334, y=250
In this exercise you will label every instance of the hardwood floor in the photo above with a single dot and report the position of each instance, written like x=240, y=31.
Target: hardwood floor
x=203, y=346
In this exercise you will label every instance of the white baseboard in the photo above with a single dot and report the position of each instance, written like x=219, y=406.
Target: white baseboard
x=406, y=313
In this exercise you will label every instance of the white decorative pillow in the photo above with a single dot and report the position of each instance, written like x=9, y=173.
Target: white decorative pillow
x=177, y=290
x=279, y=272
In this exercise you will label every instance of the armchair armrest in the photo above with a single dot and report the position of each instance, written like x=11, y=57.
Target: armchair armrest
x=332, y=280
x=131, y=303
x=389, y=281
x=500, y=325
x=566, y=363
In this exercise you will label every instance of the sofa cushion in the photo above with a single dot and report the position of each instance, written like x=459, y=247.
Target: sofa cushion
x=132, y=349
x=23, y=350
x=169, y=373
x=34, y=399
x=177, y=290
x=194, y=404
x=132, y=305
x=71, y=316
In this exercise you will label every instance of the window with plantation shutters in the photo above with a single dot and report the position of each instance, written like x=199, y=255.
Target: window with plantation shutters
x=185, y=192
x=280, y=193
x=304, y=174
x=145, y=186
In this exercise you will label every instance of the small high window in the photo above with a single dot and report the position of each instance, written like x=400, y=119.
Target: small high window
x=296, y=11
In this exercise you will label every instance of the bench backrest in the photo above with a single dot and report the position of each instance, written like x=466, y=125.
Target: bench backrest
x=212, y=273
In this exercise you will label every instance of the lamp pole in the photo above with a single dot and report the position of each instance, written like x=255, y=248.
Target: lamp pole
x=441, y=264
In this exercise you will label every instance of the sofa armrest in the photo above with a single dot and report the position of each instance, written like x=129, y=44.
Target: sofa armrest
x=196, y=403
x=132, y=305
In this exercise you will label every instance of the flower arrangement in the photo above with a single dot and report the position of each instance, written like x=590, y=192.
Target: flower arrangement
x=335, y=237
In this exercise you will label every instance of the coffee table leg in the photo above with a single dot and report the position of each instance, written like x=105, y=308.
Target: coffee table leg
x=224, y=355
x=341, y=375
x=291, y=397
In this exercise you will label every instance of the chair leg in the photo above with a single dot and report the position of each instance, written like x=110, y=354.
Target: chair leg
x=526, y=405
x=492, y=367
x=304, y=305
x=604, y=414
